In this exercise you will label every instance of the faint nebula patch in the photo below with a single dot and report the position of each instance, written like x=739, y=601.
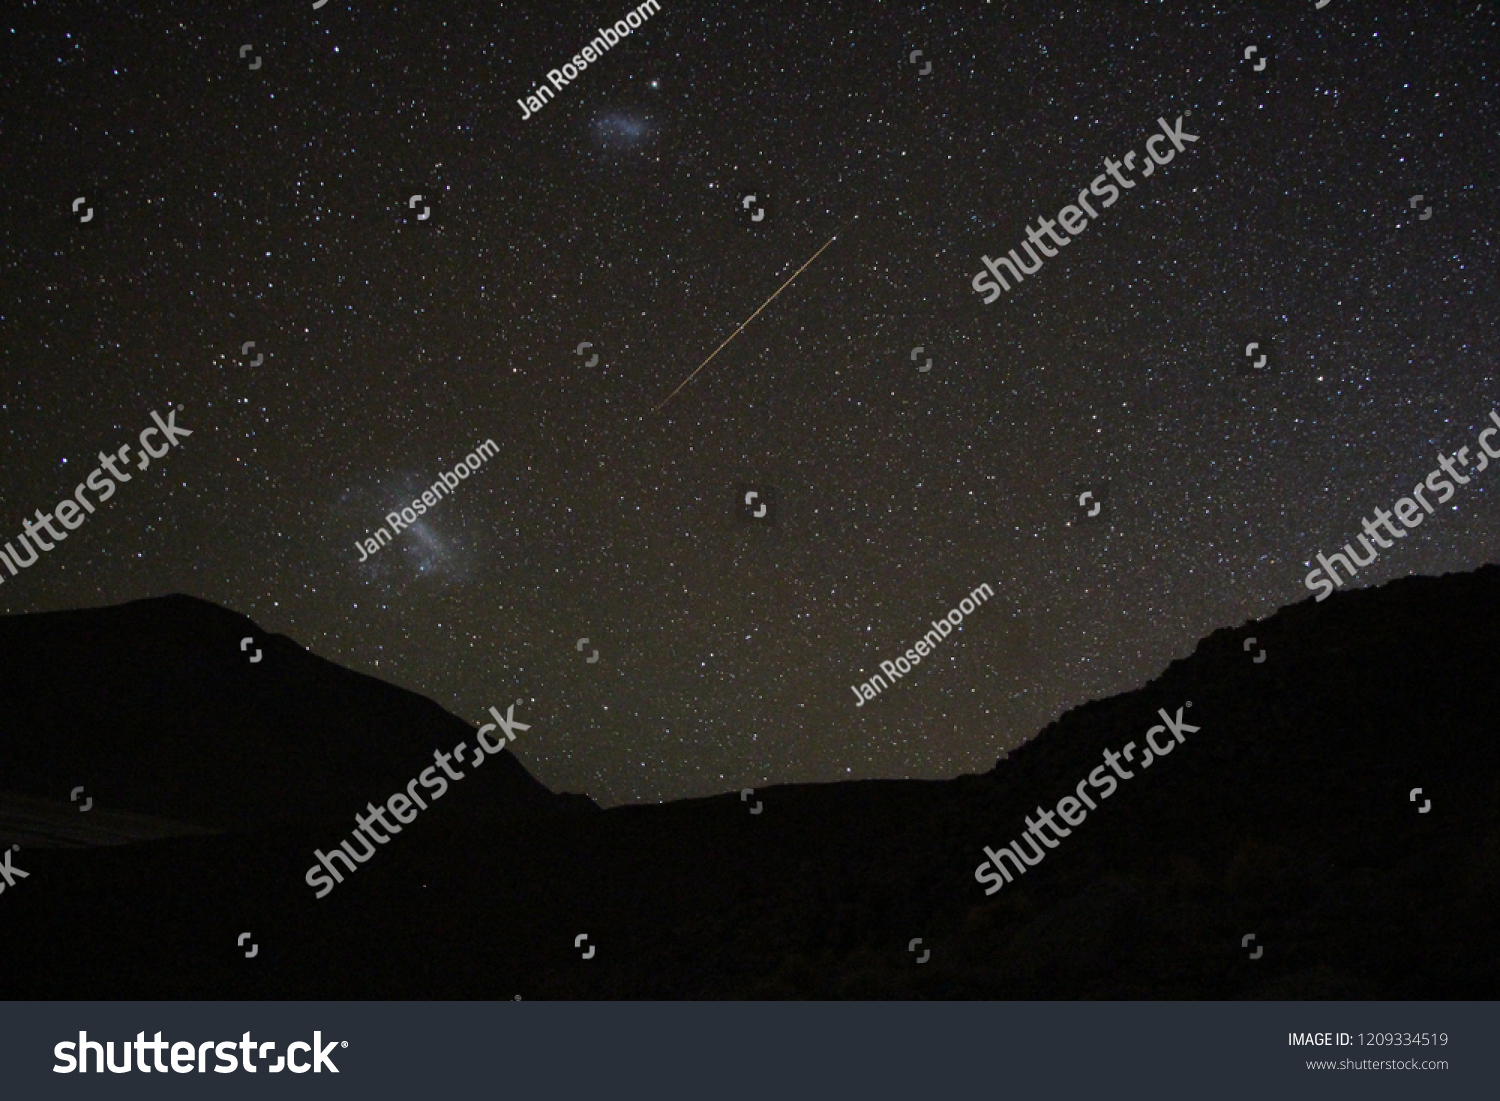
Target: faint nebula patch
x=622, y=130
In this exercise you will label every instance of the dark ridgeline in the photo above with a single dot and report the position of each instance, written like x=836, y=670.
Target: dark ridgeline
x=1287, y=817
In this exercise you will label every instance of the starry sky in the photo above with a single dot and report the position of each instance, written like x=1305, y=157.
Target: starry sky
x=274, y=204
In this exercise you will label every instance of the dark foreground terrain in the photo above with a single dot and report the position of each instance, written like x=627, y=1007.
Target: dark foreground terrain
x=1286, y=816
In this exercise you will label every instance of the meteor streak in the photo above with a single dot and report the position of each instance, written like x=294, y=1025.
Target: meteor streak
x=751, y=318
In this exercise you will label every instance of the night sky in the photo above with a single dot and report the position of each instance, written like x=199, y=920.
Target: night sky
x=273, y=205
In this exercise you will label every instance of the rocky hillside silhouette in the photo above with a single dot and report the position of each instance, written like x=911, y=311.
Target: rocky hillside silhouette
x=1287, y=816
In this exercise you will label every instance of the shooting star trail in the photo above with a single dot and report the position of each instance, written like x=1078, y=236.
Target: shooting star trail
x=753, y=316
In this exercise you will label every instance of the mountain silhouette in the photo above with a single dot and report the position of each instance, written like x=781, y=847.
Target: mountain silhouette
x=1279, y=851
